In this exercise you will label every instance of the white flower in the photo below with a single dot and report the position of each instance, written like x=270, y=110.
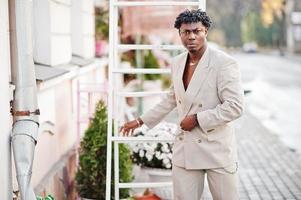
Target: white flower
x=166, y=161
x=163, y=155
x=147, y=147
x=151, y=152
x=168, y=166
x=149, y=157
x=158, y=154
x=154, y=145
x=165, y=148
x=141, y=153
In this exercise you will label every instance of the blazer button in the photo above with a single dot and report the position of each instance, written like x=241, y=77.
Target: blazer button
x=199, y=141
x=200, y=105
x=179, y=101
x=181, y=138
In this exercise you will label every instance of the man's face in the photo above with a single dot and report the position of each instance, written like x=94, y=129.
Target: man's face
x=193, y=36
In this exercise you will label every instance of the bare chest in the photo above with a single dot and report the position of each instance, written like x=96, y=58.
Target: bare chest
x=187, y=75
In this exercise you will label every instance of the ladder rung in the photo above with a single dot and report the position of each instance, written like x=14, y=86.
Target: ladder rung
x=145, y=185
x=157, y=3
x=141, y=71
x=130, y=139
x=141, y=94
x=148, y=46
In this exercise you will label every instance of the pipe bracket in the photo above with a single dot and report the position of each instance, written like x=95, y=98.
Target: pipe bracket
x=27, y=113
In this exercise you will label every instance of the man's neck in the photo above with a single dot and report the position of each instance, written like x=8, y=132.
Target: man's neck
x=197, y=55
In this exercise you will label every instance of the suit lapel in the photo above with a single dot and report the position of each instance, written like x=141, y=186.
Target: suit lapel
x=179, y=74
x=197, y=80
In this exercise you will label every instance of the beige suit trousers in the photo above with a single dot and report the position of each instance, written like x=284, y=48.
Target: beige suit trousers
x=189, y=184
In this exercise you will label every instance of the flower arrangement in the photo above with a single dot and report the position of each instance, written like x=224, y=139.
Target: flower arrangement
x=154, y=154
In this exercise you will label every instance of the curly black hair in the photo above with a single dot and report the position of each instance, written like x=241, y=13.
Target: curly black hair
x=193, y=16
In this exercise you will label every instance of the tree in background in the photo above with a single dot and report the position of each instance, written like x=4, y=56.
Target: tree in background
x=254, y=30
x=265, y=26
x=227, y=19
x=273, y=15
x=272, y=10
x=237, y=22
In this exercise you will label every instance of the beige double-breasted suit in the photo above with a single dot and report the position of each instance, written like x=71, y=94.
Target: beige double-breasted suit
x=215, y=94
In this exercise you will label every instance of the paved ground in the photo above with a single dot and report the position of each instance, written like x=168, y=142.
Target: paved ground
x=268, y=169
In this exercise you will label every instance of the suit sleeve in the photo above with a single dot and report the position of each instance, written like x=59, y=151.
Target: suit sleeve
x=231, y=95
x=159, y=111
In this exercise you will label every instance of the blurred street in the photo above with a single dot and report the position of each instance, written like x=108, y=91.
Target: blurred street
x=275, y=86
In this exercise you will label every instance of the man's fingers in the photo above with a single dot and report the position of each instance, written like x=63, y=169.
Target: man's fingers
x=122, y=132
x=126, y=130
x=130, y=132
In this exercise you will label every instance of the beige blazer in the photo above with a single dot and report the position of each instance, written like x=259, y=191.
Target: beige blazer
x=215, y=94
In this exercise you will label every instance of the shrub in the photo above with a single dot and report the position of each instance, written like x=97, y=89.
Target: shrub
x=91, y=175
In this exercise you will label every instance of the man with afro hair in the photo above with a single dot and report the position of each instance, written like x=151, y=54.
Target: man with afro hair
x=206, y=90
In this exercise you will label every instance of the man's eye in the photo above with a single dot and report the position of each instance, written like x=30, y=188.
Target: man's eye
x=196, y=31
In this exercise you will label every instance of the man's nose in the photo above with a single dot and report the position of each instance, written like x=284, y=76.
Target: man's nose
x=191, y=35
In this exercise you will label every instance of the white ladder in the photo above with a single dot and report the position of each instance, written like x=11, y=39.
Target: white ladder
x=115, y=47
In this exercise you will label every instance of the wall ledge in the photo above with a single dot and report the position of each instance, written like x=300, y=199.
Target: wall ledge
x=48, y=76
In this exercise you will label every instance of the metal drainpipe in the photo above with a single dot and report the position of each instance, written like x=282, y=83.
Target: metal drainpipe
x=5, y=118
x=25, y=108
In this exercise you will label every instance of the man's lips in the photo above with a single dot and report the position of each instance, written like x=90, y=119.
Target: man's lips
x=191, y=45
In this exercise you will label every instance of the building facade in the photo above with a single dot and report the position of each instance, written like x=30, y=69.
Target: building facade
x=293, y=26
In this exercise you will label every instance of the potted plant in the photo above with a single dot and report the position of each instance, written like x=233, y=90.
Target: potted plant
x=155, y=158
x=91, y=174
x=147, y=195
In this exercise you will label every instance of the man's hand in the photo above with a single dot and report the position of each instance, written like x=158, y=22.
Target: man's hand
x=189, y=122
x=129, y=127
